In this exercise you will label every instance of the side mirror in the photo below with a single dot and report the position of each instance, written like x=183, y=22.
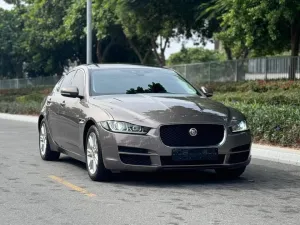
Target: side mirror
x=71, y=92
x=207, y=91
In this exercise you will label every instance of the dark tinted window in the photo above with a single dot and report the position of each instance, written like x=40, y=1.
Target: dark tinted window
x=67, y=80
x=131, y=81
x=78, y=81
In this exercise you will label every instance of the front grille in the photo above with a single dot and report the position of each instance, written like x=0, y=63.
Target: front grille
x=141, y=160
x=239, y=157
x=179, y=136
x=167, y=161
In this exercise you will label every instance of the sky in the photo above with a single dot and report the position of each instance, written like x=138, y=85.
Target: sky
x=174, y=45
x=4, y=5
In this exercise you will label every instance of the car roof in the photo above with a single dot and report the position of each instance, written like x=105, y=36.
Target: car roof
x=119, y=66
x=114, y=66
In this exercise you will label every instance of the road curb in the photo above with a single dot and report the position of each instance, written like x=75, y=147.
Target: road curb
x=276, y=154
x=265, y=152
x=23, y=118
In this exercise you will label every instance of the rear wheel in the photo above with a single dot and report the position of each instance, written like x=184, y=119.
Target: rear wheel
x=94, y=159
x=230, y=173
x=44, y=146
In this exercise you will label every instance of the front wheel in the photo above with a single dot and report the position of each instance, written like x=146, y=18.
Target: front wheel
x=230, y=173
x=94, y=160
x=44, y=146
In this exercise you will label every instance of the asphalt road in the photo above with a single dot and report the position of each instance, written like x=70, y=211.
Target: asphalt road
x=33, y=191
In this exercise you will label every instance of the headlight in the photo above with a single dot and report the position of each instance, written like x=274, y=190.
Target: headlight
x=124, y=127
x=240, y=126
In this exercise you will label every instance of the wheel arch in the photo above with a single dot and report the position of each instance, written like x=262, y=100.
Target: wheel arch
x=41, y=117
x=88, y=124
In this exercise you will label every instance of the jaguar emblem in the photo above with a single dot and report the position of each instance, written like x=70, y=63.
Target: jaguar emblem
x=193, y=132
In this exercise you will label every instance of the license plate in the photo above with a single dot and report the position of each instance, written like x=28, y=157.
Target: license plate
x=209, y=154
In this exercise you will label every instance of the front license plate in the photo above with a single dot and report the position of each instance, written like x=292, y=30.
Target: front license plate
x=209, y=154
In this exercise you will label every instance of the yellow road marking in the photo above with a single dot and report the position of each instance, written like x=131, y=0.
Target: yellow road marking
x=72, y=186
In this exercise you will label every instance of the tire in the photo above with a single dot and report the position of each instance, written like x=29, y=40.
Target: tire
x=230, y=173
x=94, y=160
x=44, y=146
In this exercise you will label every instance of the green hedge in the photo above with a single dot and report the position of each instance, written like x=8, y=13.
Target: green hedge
x=255, y=86
x=28, y=108
x=291, y=97
x=278, y=125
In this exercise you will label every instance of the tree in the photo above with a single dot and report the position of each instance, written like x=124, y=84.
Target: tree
x=110, y=43
x=146, y=20
x=14, y=2
x=194, y=55
x=47, y=49
x=12, y=55
x=213, y=12
x=158, y=21
x=261, y=26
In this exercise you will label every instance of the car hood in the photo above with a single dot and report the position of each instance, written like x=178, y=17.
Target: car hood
x=162, y=108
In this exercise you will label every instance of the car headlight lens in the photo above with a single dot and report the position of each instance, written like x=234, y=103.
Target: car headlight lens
x=124, y=127
x=239, y=127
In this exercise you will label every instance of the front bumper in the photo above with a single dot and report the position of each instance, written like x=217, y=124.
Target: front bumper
x=147, y=153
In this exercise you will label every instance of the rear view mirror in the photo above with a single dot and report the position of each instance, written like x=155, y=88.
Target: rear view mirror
x=71, y=92
x=207, y=91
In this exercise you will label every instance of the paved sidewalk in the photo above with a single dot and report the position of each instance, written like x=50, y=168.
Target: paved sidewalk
x=23, y=118
x=271, y=153
x=276, y=154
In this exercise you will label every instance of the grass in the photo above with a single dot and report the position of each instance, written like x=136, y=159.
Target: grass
x=23, y=101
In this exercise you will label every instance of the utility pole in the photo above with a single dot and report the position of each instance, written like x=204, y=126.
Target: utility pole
x=89, y=31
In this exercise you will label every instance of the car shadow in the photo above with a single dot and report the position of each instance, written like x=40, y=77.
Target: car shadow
x=257, y=176
x=71, y=161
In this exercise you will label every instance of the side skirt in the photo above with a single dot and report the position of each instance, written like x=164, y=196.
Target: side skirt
x=56, y=148
x=72, y=155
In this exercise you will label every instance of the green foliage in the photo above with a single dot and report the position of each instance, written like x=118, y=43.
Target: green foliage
x=270, y=97
x=29, y=108
x=25, y=91
x=195, y=55
x=277, y=125
x=159, y=21
x=255, y=86
x=23, y=101
x=261, y=26
x=11, y=48
x=34, y=97
x=110, y=44
x=48, y=51
x=271, y=108
x=42, y=37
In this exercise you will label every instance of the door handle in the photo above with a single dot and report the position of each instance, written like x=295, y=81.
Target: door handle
x=49, y=101
x=63, y=103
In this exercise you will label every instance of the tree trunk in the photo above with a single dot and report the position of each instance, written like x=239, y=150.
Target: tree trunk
x=99, y=56
x=228, y=52
x=106, y=50
x=146, y=56
x=136, y=51
x=154, y=47
x=160, y=57
x=295, y=41
x=19, y=70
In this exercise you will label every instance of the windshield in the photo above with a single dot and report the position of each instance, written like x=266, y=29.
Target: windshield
x=138, y=80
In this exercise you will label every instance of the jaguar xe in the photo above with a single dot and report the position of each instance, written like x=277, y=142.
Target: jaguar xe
x=116, y=118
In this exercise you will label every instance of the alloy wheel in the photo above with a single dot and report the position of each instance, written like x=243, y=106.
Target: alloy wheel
x=92, y=153
x=43, y=139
